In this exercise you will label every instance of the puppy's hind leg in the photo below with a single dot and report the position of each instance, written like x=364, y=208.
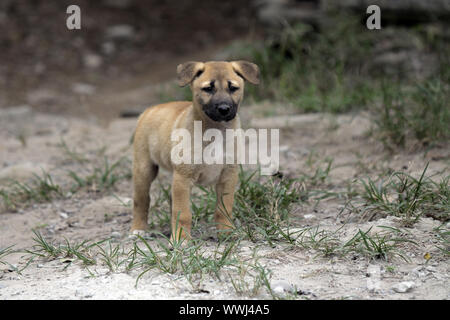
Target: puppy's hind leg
x=144, y=172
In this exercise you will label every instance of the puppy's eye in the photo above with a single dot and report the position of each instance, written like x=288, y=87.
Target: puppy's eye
x=208, y=89
x=232, y=87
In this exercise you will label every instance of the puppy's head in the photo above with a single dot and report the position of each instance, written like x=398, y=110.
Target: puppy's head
x=217, y=86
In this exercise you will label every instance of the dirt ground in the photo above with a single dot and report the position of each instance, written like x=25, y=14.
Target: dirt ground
x=96, y=216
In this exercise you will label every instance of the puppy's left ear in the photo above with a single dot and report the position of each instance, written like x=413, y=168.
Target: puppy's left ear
x=186, y=72
x=247, y=70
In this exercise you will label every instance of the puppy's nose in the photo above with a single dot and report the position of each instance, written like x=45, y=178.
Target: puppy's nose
x=224, y=109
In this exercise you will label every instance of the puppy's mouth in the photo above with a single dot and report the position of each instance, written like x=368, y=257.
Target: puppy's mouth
x=221, y=112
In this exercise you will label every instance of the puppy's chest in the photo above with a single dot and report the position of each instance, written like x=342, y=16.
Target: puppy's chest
x=209, y=174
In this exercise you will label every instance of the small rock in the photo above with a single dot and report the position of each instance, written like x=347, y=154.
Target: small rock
x=278, y=290
x=280, y=287
x=63, y=215
x=92, y=60
x=309, y=216
x=431, y=269
x=83, y=88
x=121, y=31
x=403, y=287
x=115, y=234
x=12, y=267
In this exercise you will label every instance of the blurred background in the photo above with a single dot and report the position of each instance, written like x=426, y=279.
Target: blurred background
x=314, y=55
x=122, y=45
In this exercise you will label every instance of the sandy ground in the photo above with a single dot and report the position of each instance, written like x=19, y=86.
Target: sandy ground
x=32, y=141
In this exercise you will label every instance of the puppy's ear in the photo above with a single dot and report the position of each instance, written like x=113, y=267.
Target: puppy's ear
x=186, y=72
x=247, y=70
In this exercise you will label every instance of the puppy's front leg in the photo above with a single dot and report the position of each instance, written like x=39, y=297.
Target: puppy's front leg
x=225, y=198
x=181, y=213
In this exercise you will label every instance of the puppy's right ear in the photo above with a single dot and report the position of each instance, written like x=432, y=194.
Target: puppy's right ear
x=186, y=72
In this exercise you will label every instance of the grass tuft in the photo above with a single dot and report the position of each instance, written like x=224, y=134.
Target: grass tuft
x=4, y=252
x=404, y=196
x=79, y=251
x=262, y=206
x=39, y=189
x=103, y=177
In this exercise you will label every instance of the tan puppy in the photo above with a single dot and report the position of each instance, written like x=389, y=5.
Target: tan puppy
x=217, y=90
